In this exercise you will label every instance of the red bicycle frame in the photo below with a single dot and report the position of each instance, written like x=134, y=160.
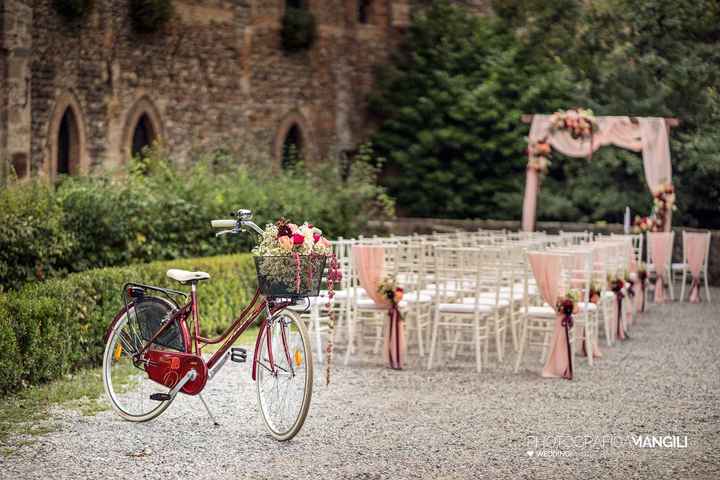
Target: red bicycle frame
x=194, y=343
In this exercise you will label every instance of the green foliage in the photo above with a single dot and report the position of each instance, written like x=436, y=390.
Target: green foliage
x=160, y=211
x=150, y=15
x=33, y=239
x=451, y=111
x=298, y=29
x=450, y=107
x=49, y=329
x=647, y=57
x=73, y=9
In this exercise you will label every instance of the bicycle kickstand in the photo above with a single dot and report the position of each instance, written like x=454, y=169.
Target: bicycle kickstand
x=212, y=417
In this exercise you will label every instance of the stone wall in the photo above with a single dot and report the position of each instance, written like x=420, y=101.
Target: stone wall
x=408, y=226
x=215, y=76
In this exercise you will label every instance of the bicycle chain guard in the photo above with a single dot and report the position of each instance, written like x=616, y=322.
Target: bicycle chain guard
x=167, y=368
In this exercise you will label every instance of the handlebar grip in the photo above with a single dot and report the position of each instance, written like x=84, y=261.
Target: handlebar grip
x=223, y=223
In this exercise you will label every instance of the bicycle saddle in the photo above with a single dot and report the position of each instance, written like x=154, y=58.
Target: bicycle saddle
x=184, y=276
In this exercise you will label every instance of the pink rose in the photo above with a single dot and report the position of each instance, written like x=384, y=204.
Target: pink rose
x=285, y=242
x=323, y=242
x=298, y=239
x=316, y=237
x=293, y=227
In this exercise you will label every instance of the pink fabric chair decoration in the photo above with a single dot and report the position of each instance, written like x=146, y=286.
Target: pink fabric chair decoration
x=546, y=269
x=370, y=265
x=661, y=243
x=696, y=244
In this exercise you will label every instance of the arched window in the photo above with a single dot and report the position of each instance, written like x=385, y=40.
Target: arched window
x=143, y=136
x=292, y=147
x=143, y=127
x=68, y=145
x=364, y=11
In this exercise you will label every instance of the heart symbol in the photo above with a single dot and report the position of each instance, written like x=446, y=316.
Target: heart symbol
x=530, y=453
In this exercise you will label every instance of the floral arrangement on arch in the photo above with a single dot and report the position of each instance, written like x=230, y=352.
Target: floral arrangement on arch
x=579, y=122
x=539, y=153
x=663, y=202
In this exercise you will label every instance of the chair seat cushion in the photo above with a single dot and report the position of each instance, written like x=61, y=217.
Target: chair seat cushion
x=679, y=266
x=486, y=300
x=543, y=312
x=463, y=308
x=417, y=297
x=184, y=276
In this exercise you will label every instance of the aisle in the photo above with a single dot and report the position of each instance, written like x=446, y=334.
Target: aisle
x=377, y=423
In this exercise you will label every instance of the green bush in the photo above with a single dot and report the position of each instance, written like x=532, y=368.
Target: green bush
x=160, y=212
x=52, y=328
x=33, y=239
x=73, y=9
x=298, y=29
x=450, y=105
x=150, y=15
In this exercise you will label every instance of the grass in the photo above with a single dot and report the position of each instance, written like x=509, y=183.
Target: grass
x=26, y=414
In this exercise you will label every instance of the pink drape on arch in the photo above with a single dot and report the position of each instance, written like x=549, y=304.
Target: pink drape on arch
x=648, y=135
x=370, y=265
x=547, y=269
x=697, y=247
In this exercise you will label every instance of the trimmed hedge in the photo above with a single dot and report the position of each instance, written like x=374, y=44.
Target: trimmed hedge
x=50, y=329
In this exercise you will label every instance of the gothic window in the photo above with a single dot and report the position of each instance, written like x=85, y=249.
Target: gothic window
x=143, y=135
x=68, y=148
x=292, y=147
x=364, y=11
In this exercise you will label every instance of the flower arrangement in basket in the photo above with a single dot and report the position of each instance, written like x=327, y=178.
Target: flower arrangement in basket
x=290, y=259
x=539, y=153
x=580, y=123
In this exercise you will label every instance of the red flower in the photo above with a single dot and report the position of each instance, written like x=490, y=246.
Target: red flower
x=316, y=237
x=298, y=239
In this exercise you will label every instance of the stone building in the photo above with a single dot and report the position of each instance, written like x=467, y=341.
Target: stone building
x=91, y=92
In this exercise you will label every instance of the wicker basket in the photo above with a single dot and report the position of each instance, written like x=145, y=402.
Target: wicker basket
x=290, y=276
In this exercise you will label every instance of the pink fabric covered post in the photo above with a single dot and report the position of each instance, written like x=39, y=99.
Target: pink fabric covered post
x=370, y=265
x=532, y=181
x=546, y=269
x=661, y=245
x=696, y=244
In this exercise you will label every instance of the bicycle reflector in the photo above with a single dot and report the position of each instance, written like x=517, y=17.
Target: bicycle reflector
x=135, y=292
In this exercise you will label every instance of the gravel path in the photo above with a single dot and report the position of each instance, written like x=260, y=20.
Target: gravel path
x=374, y=423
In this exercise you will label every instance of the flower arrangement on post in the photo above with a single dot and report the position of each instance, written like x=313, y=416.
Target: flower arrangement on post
x=580, y=123
x=595, y=293
x=642, y=278
x=290, y=262
x=616, y=284
x=663, y=202
x=567, y=306
x=539, y=153
x=390, y=290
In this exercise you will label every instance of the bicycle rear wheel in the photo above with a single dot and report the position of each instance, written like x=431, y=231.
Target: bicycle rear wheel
x=284, y=385
x=127, y=385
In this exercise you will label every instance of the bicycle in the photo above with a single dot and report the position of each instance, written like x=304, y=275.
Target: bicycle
x=150, y=341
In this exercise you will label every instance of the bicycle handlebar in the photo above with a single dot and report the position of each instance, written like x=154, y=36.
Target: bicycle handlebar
x=238, y=225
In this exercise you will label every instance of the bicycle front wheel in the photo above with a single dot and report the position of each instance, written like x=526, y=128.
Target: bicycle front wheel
x=284, y=375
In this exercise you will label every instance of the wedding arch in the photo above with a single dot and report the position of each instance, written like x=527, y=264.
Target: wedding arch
x=577, y=133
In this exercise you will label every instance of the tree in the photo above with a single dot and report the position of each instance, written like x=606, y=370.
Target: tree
x=450, y=110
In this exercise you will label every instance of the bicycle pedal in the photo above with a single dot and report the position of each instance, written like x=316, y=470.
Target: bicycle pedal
x=238, y=355
x=160, y=397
